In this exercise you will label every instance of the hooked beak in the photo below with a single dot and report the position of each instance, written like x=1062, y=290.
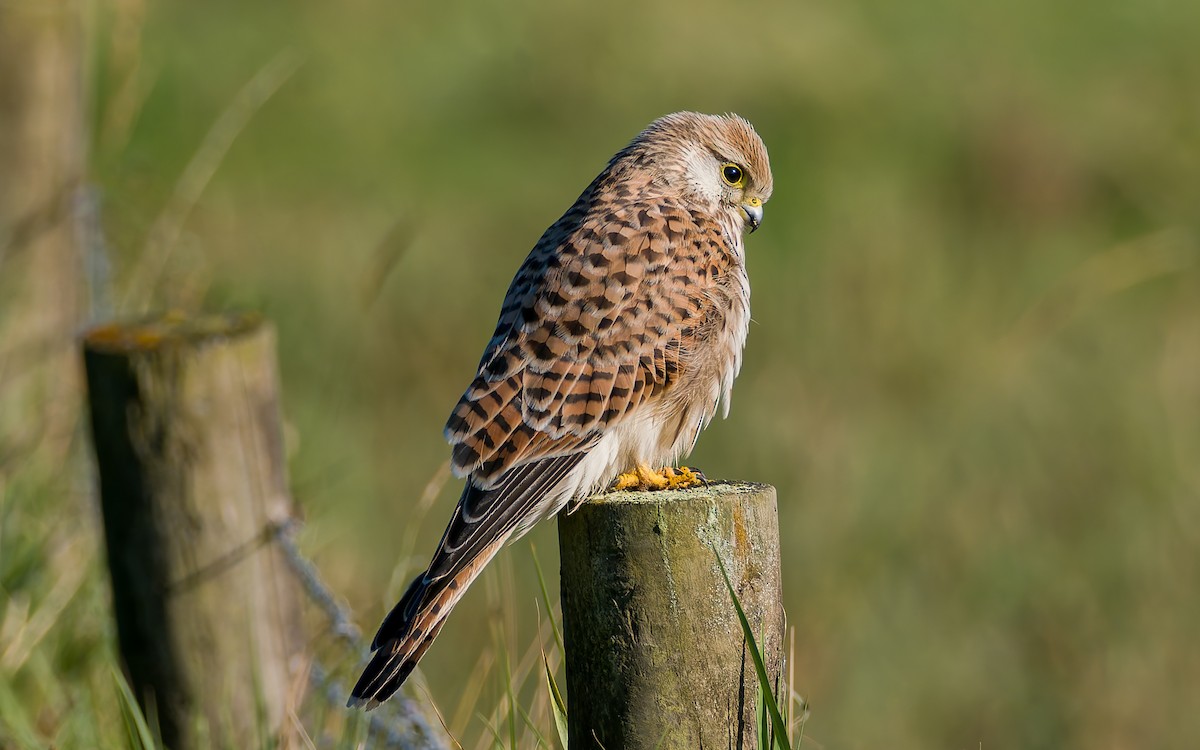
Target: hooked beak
x=753, y=209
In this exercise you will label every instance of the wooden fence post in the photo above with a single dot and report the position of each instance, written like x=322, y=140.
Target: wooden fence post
x=43, y=295
x=188, y=440
x=655, y=653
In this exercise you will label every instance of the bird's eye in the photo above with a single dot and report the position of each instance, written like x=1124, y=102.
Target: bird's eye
x=732, y=174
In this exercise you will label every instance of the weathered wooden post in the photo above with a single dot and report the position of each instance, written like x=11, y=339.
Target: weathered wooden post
x=43, y=294
x=186, y=426
x=655, y=652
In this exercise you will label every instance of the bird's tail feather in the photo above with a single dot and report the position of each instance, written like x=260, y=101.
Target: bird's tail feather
x=483, y=521
x=409, y=630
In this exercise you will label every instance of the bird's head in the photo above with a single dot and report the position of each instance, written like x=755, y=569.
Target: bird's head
x=717, y=161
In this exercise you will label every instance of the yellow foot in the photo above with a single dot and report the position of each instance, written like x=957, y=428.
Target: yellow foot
x=644, y=478
x=678, y=479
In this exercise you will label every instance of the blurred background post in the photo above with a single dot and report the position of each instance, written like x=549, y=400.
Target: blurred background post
x=42, y=164
x=188, y=437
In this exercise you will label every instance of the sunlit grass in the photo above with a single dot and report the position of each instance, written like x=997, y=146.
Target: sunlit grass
x=776, y=703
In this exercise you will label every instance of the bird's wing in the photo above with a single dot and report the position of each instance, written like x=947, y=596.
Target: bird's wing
x=597, y=322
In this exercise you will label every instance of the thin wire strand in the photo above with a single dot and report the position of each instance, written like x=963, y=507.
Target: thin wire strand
x=399, y=723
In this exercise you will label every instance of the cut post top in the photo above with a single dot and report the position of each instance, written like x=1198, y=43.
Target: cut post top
x=169, y=329
x=717, y=488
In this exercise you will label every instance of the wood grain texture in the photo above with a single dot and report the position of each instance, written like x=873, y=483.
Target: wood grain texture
x=655, y=653
x=188, y=441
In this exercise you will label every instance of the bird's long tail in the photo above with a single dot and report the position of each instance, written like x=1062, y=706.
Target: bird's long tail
x=409, y=630
x=483, y=521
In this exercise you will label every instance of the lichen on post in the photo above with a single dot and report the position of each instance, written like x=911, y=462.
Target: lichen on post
x=188, y=439
x=655, y=653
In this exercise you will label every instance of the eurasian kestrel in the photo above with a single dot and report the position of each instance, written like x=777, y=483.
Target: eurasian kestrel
x=618, y=338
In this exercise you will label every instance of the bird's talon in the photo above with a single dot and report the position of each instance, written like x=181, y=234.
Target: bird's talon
x=626, y=481
x=687, y=477
x=645, y=479
x=653, y=480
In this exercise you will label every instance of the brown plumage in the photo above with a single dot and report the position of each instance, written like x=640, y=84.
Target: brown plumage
x=619, y=335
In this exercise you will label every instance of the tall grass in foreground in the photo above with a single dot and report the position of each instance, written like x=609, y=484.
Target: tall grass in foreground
x=781, y=712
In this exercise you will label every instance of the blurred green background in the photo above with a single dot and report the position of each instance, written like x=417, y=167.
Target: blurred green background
x=973, y=375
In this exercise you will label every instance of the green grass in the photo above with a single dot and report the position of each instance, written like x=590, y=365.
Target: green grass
x=772, y=726
x=138, y=732
x=972, y=373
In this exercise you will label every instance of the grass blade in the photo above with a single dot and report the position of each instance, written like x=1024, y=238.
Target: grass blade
x=134, y=718
x=537, y=565
x=557, y=705
x=497, y=740
x=512, y=704
x=764, y=681
x=532, y=727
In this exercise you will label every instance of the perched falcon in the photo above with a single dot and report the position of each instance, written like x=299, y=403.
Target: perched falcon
x=618, y=338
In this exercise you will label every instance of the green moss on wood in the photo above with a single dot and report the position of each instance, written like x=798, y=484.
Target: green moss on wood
x=654, y=650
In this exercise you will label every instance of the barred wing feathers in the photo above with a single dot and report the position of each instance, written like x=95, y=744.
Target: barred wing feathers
x=595, y=324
